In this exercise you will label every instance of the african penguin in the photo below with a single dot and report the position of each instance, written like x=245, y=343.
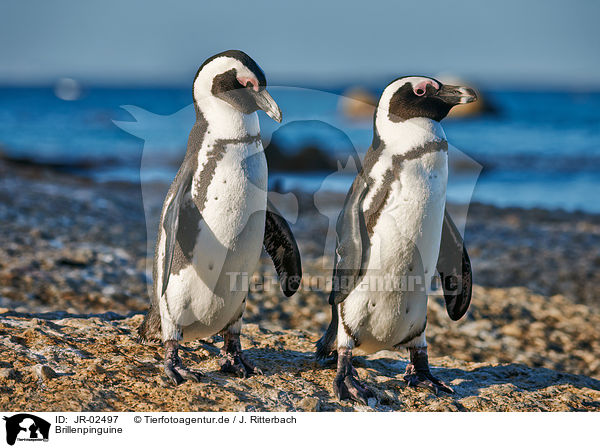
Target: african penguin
x=216, y=218
x=393, y=233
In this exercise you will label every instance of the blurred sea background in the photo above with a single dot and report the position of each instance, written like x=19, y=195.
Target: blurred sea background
x=538, y=148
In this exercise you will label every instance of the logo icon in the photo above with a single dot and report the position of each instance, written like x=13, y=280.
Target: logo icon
x=26, y=427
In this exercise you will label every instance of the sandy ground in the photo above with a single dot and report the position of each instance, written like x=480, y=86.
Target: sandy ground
x=94, y=364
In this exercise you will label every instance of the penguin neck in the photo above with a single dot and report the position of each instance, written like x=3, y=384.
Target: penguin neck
x=225, y=122
x=401, y=137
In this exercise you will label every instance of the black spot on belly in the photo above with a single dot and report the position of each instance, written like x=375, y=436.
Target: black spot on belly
x=210, y=266
x=407, y=310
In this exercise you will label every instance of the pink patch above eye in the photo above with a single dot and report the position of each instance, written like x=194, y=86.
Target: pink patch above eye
x=244, y=81
x=420, y=88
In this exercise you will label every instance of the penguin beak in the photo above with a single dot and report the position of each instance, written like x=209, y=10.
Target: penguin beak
x=454, y=95
x=266, y=102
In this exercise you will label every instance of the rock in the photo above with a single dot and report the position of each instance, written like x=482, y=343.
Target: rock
x=8, y=373
x=292, y=380
x=44, y=372
x=76, y=258
x=311, y=404
x=357, y=103
x=96, y=368
x=307, y=158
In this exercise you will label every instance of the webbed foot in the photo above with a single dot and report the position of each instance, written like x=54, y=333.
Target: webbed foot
x=346, y=384
x=418, y=375
x=233, y=359
x=174, y=368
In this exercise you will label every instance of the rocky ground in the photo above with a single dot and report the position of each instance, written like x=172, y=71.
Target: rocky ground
x=94, y=364
x=77, y=247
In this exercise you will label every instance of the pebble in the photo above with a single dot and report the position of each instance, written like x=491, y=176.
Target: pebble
x=45, y=372
x=310, y=404
x=96, y=367
x=387, y=397
x=8, y=373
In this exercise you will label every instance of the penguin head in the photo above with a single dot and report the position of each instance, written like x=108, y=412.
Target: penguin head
x=418, y=96
x=233, y=78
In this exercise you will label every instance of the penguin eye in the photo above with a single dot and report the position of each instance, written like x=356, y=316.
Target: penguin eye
x=421, y=88
x=248, y=82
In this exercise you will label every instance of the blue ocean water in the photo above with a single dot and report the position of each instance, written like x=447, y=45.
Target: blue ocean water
x=541, y=149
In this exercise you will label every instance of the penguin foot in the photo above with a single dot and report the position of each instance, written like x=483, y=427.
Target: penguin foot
x=237, y=364
x=418, y=375
x=346, y=384
x=425, y=380
x=233, y=359
x=348, y=387
x=174, y=368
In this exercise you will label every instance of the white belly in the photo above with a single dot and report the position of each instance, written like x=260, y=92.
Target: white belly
x=206, y=295
x=391, y=302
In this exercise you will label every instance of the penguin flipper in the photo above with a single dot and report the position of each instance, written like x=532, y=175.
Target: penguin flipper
x=454, y=267
x=352, y=253
x=352, y=243
x=171, y=221
x=280, y=244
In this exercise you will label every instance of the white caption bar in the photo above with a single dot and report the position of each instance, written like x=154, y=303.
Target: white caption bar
x=147, y=429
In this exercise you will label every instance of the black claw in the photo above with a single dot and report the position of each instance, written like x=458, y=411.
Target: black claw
x=174, y=368
x=188, y=374
x=174, y=375
x=233, y=359
x=231, y=366
x=250, y=368
x=237, y=364
x=428, y=382
x=418, y=375
x=346, y=384
x=349, y=388
x=423, y=379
